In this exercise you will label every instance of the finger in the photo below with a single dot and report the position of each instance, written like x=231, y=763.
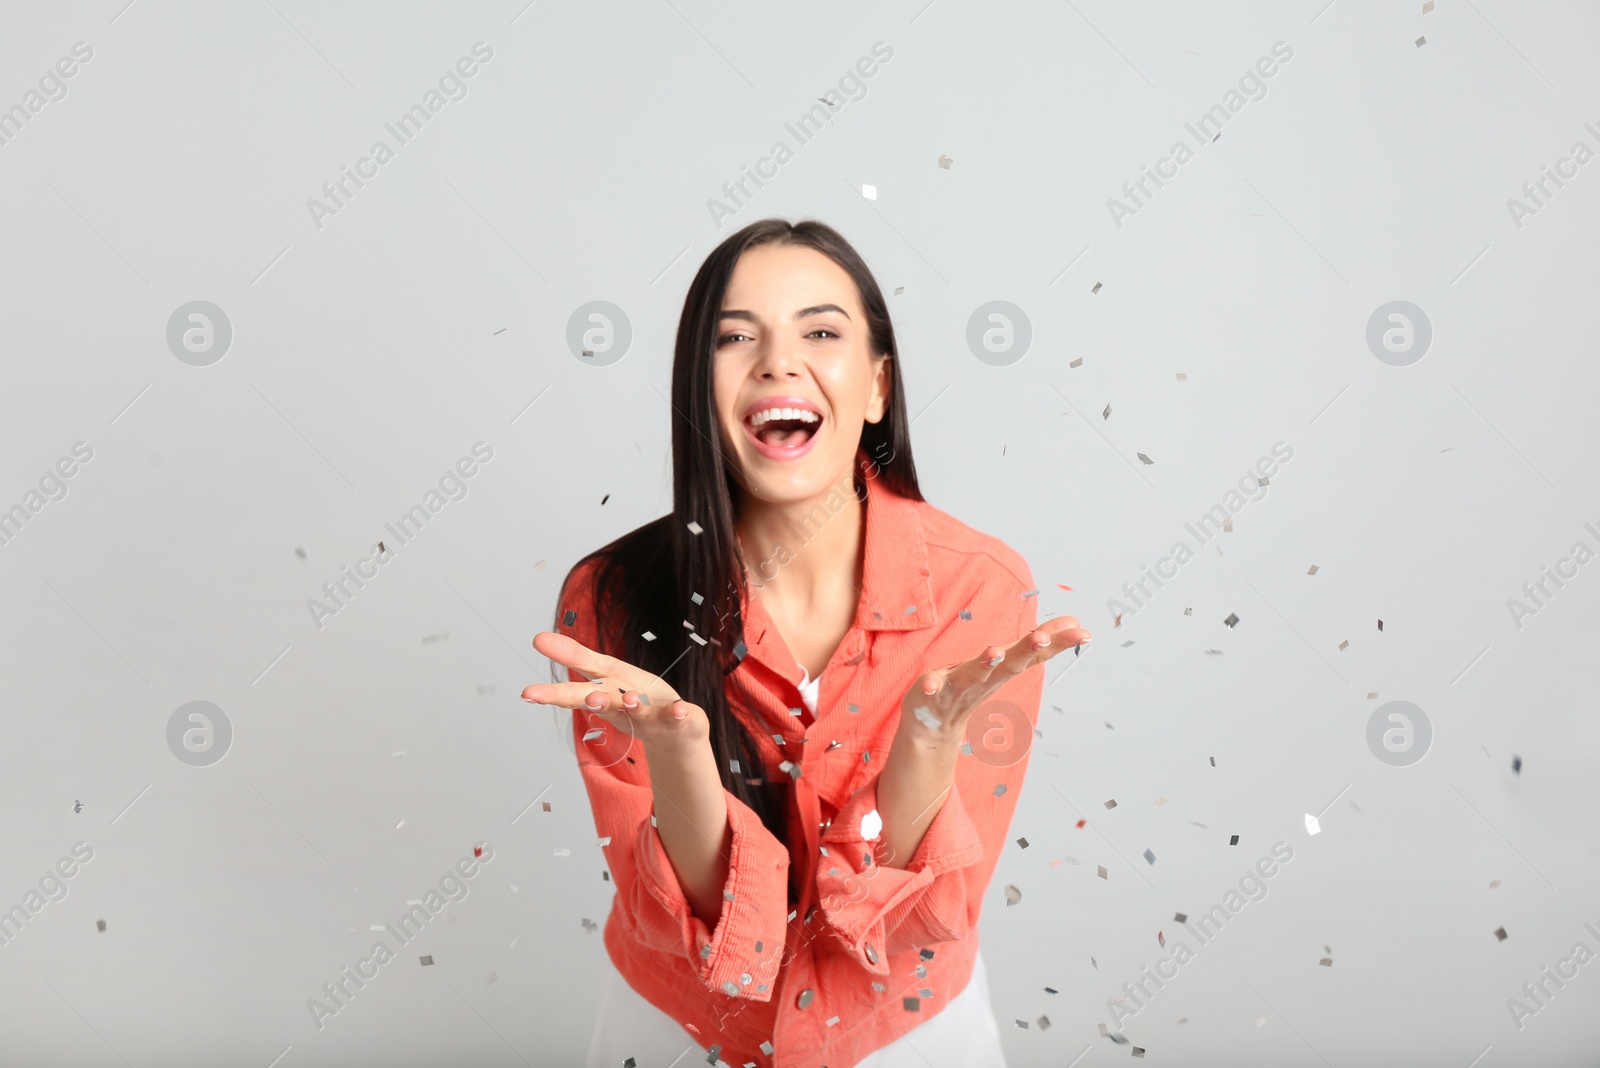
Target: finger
x=1067, y=634
x=572, y=654
x=966, y=673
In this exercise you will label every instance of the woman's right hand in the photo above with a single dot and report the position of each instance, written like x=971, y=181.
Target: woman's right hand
x=640, y=705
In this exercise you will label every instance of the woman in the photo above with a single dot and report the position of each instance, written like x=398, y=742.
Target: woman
x=800, y=845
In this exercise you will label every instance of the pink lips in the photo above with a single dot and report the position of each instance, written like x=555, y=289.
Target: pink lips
x=775, y=452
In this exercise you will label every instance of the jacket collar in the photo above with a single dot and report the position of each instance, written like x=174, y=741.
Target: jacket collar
x=896, y=585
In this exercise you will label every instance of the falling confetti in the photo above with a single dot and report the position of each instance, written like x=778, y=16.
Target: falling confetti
x=1213, y=761
x=77, y=806
x=1111, y=803
x=1182, y=376
x=1326, y=962
x=1180, y=917
x=477, y=851
x=1096, y=288
x=899, y=290
x=1081, y=823
x=427, y=959
x=301, y=553
x=1101, y=871
x=606, y=498
x=1312, y=826
x=1500, y=933
x=1107, y=413
x=1150, y=858
x=1312, y=570
x=1023, y=842
x=1234, y=840
x=1013, y=896
x=1044, y=1023
x=1161, y=939
x=100, y=925
x=1076, y=363
x=1227, y=526
x=1231, y=621
x=1516, y=764
x=1144, y=458
x=944, y=162
x=1380, y=624
x=1427, y=7
x=695, y=528
x=1138, y=1051
x=1160, y=801
x=870, y=192
x=546, y=805
x=1421, y=41
x=1344, y=645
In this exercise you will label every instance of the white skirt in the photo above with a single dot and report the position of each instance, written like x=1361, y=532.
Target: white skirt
x=963, y=1035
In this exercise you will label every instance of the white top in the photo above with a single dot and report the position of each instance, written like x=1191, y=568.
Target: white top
x=808, y=689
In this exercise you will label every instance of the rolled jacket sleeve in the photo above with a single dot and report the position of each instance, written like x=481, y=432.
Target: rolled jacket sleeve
x=654, y=909
x=938, y=895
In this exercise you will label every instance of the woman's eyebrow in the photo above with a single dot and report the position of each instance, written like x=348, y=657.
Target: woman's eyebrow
x=801, y=314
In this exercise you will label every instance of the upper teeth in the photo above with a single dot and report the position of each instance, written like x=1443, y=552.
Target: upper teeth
x=768, y=414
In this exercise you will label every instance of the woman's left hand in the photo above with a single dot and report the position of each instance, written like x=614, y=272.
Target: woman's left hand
x=940, y=701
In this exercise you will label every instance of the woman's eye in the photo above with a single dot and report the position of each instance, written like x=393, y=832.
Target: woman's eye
x=822, y=330
x=726, y=338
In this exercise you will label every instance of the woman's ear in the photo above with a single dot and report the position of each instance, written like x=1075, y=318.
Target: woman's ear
x=882, y=380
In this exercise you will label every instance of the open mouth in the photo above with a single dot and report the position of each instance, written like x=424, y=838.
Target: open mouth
x=783, y=430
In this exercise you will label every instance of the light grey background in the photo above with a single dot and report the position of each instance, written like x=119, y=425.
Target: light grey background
x=431, y=313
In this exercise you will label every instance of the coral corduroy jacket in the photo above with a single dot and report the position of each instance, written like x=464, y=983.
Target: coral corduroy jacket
x=870, y=950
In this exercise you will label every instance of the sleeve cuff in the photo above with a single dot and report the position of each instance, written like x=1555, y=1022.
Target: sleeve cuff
x=741, y=956
x=863, y=900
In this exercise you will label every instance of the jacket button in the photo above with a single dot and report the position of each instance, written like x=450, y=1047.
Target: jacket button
x=804, y=1001
x=872, y=954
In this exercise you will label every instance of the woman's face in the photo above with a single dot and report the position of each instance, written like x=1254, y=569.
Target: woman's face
x=792, y=327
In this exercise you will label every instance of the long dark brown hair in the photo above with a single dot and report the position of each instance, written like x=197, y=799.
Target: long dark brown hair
x=646, y=578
